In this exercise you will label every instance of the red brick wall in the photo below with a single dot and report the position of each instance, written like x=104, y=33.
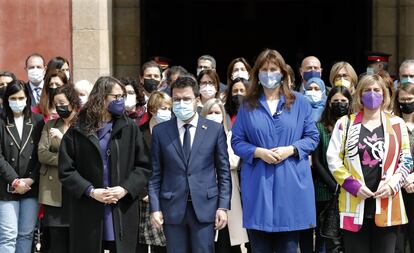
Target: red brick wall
x=28, y=26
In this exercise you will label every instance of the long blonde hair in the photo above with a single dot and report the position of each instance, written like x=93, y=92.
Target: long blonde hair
x=207, y=107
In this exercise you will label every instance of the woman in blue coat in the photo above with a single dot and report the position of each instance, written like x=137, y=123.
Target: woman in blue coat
x=274, y=133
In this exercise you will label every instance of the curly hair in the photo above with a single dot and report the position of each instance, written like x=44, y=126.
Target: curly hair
x=92, y=113
x=72, y=96
x=138, y=89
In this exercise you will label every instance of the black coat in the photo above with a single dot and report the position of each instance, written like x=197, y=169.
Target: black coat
x=80, y=165
x=18, y=156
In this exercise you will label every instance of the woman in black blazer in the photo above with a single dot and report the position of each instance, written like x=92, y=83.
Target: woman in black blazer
x=19, y=168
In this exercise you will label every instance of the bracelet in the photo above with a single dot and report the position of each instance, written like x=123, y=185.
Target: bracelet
x=15, y=183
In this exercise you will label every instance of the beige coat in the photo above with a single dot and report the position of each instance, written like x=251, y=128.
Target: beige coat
x=50, y=188
x=238, y=234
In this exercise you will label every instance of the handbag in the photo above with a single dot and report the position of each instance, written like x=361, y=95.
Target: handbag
x=329, y=217
x=147, y=233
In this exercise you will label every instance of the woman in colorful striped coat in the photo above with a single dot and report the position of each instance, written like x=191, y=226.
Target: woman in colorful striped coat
x=369, y=156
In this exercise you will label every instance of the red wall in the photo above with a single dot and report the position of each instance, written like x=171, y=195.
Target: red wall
x=28, y=26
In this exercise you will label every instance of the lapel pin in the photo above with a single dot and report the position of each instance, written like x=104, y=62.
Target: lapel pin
x=204, y=127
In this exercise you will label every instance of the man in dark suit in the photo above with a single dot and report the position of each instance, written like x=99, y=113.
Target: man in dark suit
x=35, y=67
x=190, y=186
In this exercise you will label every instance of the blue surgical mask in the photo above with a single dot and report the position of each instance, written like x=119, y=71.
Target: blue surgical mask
x=310, y=74
x=163, y=115
x=314, y=96
x=116, y=108
x=17, y=106
x=182, y=110
x=407, y=80
x=270, y=80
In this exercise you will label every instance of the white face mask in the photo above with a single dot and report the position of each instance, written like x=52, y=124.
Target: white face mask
x=83, y=100
x=35, y=75
x=208, y=91
x=163, y=115
x=313, y=96
x=240, y=74
x=17, y=106
x=215, y=117
x=67, y=73
x=130, y=102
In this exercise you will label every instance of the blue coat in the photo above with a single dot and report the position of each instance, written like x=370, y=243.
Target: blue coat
x=206, y=177
x=276, y=198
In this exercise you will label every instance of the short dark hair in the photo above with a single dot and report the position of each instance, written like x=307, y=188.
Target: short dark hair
x=138, y=89
x=175, y=70
x=150, y=64
x=186, y=80
x=71, y=94
x=56, y=63
x=35, y=55
x=8, y=73
x=11, y=89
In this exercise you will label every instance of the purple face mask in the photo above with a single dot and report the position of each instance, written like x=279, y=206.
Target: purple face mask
x=371, y=99
x=116, y=108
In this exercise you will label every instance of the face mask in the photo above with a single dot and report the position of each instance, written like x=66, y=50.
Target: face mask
x=199, y=71
x=130, y=102
x=343, y=82
x=150, y=85
x=183, y=111
x=406, y=108
x=215, y=117
x=116, y=108
x=208, y=91
x=163, y=115
x=240, y=74
x=63, y=111
x=2, y=91
x=17, y=106
x=339, y=109
x=371, y=99
x=370, y=71
x=407, y=80
x=314, y=96
x=237, y=99
x=310, y=74
x=35, y=75
x=52, y=92
x=270, y=80
x=83, y=100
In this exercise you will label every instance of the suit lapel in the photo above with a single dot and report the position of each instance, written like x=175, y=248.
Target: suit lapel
x=174, y=136
x=198, y=137
x=12, y=130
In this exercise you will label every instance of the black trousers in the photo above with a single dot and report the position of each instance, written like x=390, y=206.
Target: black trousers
x=371, y=239
x=223, y=243
x=109, y=245
x=406, y=234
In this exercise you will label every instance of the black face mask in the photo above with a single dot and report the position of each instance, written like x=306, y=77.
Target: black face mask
x=150, y=85
x=2, y=91
x=52, y=92
x=339, y=109
x=406, y=108
x=63, y=111
x=237, y=100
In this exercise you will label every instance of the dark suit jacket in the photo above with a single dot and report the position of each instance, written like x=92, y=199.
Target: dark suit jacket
x=18, y=156
x=206, y=178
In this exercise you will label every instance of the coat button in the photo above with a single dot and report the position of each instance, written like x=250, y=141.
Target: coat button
x=12, y=159
x=11, y=143
x=30, y=157
x=50, y=178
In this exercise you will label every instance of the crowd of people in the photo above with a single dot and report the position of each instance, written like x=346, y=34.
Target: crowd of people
x=175, y=162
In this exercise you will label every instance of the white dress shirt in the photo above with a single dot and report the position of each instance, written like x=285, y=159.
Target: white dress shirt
x=181, y=128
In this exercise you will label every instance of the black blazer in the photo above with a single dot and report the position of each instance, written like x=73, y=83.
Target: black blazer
x=18, y=157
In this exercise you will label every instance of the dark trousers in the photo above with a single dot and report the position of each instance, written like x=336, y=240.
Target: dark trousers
x=223, y=243
x=280, y=242
x=406, y=234
x=58, y=239
x=191, y=235
x=306, y=240
x=143, y=248
x=371, y=239
x=109, y=245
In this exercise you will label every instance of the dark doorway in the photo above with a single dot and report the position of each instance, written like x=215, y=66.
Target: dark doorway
x=332, y=30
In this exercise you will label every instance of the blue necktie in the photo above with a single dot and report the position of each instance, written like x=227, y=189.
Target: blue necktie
x=187, y=142
x=38, y=91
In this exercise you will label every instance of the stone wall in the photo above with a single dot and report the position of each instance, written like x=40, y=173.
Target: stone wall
x=91, y=39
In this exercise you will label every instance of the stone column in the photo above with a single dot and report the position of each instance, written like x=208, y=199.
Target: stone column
x=91, y=39
x=126, y=37
x=384, y=30
x=406, y=30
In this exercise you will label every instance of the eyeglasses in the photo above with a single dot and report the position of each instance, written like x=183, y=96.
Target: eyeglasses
x=206, y=83
x=118, y=96
x=186, y=100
